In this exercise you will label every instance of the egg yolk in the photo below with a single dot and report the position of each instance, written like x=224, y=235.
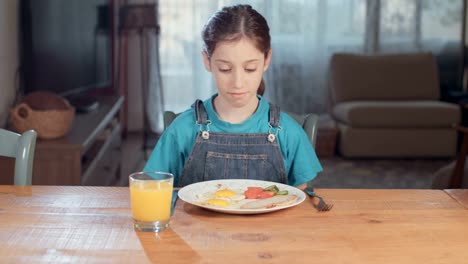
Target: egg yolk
x=224, y=193
x=217, y=202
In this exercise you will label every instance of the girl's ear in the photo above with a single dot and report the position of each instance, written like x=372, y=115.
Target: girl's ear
x=267, y=60
x=206, y=61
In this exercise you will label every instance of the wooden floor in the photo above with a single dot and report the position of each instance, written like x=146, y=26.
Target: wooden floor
x=132, y=154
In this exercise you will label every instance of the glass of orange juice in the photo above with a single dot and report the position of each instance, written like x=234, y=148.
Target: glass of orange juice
x=150, y=198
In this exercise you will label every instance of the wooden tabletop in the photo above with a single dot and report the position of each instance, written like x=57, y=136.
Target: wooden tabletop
x=93, y=224
x=460, y=195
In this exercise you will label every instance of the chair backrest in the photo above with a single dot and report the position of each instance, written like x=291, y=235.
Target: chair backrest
x=308, y=122
x=20, y=147
x=168, y=117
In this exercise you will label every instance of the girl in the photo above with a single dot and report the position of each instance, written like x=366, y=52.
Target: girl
x=235, y=134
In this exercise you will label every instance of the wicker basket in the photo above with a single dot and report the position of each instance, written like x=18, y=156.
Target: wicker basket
x=49, y=124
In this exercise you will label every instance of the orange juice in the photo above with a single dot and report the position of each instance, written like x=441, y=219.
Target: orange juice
x=151, y=201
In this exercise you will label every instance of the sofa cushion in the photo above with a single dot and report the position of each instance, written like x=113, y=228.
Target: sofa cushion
x=397, y=142
x=401, y=114
x=383, y=77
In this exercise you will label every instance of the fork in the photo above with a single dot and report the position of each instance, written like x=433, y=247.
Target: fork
x=322, y=206
x=175, y=196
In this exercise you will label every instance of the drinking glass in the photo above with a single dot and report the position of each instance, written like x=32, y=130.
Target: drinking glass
x=150, y=198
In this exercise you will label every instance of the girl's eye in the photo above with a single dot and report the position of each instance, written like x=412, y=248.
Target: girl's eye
x=250, y=70
x=224, y=70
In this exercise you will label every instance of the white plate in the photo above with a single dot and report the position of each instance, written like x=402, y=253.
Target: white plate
x=191, y=194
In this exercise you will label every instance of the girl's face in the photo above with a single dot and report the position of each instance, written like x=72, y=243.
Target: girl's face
x=237, y=68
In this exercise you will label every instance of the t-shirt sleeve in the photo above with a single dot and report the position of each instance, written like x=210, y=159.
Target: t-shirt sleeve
x=304, y=164
x=166, y=157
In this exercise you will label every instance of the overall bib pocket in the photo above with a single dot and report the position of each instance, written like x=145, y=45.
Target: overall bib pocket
x=236, y=166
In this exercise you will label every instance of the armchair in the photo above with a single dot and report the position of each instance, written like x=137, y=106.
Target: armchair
x=389, y=106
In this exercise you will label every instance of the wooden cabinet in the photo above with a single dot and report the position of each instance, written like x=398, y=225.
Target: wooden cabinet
x=88, y=155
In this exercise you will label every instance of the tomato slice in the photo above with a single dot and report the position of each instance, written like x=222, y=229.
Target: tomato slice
x=258, y=193
x=250, y=195
x=252, y=192
x=266, y=194
x=255, y=189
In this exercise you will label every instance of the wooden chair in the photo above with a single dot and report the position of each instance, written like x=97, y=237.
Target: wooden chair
x=308, y=122
x=20, y=147
x=168, y=117
x=457, y=174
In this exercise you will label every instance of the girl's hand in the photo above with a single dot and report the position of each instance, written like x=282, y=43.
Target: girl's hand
x=302, y=186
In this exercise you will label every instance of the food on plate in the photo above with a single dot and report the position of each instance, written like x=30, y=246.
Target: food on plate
x=262, y=193
x=221, y=198
x=253, y=198
x=216, y=202
x=277, y=200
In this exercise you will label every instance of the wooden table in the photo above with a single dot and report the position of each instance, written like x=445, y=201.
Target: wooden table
x=460, y=195
x=93, y=224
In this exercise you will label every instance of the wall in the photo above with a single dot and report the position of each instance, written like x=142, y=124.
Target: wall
x=9, y=62
x=9, y=59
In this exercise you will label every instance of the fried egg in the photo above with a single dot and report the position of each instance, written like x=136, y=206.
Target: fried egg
x=232, y=195
x=216, y=202
x=221, y=198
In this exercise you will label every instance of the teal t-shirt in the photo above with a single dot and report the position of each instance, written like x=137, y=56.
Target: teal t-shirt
x=176, y=143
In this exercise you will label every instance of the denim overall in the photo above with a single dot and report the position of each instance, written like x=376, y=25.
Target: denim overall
x=234, y=156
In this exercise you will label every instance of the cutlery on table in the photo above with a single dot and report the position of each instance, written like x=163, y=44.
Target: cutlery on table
x=322, y=206
x=175, y=196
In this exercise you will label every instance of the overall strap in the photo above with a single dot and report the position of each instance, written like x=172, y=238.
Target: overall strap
x=273, y=123
x=200, y=112
x=202, y=119
x=274, y=115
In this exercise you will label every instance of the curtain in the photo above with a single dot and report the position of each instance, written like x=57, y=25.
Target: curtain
x=305, y=33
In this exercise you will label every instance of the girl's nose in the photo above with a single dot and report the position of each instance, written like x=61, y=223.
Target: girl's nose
x=238, y=79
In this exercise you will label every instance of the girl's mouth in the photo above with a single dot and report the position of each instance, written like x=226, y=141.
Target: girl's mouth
x=237, y=94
